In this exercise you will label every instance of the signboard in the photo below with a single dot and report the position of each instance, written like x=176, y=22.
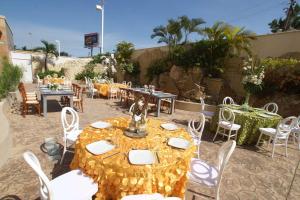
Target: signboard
x=91, y=40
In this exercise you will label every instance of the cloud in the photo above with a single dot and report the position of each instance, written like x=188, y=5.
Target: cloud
x=30, y=35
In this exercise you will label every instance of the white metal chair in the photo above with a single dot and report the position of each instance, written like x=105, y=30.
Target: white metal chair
x=71, y=130
x=228, y=100
x=295, y=132
x=124, y=83
x=73, y=185
x=208, y=114
x=195, y=128
x=281, y=133
x=132, y=107
x=209, y=175
x=129, y=84
x=113, y=92
x=39, y=81
x=92, y=91
x=271, y=107
x=226, y=122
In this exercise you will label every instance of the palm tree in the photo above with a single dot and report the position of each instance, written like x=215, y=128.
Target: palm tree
x=239, y=39
x=216, y=32
x=49, y=50
x=190, y=26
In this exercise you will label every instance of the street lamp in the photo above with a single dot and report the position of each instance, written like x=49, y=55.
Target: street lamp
x=58, y=42
x=100, y=7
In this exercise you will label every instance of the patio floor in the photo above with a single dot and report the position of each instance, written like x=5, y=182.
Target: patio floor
x=250, y=174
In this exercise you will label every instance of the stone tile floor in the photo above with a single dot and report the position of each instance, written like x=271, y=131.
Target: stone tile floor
x=250, y=174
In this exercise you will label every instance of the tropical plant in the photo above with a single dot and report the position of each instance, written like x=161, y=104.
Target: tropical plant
x=157, y=67
x=281, y=75
x=87, y=72
x=189, y=26
x=51, y=73
x=292, y=20
x=9, y=78
x=49, y=50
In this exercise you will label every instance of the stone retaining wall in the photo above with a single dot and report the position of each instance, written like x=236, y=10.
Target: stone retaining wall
x=5, y=137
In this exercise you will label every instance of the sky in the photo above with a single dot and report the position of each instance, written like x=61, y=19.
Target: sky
x=125, y=20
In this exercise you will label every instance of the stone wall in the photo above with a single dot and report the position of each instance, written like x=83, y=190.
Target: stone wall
x=5, y=136
x=6, y=40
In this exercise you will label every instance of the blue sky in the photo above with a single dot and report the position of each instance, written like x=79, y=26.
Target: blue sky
x=129, y=20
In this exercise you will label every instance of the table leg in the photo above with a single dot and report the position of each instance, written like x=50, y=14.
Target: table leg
x=158, y=107
x=172, y=105
x=71, y=101
x=45, y=105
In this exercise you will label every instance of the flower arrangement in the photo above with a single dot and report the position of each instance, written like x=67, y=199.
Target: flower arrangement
x=254, y=74
x=53, y=86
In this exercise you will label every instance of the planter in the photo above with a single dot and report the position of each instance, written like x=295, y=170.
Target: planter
x=213, y=86
x=192, y=106
x=5, y=137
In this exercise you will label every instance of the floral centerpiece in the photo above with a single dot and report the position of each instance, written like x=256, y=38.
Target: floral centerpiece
x=254, y=74
x=137, y=125
x=53, y=86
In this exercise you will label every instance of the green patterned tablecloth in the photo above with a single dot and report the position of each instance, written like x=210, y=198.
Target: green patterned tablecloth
x=250, y=122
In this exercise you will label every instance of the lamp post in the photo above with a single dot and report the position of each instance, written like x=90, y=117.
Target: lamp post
x=58, y=43
x=100, y=7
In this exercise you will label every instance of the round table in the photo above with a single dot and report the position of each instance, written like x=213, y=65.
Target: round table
x=115, y=175
x=103, y=88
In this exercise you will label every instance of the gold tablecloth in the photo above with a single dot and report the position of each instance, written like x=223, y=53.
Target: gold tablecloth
x=103, y=88
x=54, y=80
x=116, y=177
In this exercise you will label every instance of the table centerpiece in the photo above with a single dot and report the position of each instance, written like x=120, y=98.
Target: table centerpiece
x=253, y=75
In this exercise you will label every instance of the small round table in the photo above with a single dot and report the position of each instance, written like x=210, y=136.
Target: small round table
x=115, y=175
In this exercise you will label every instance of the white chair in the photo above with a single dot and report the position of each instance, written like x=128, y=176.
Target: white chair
x=195, y=128
x=226, y=122
x=281, y=133
x=132, y=107
x=92, y=91
x=113, y=92
x=208, y=114
x=39, y=81
x=71, y=130
x=129, y=84
x=228, y=100
x=73, y=185
x=209, y=175
x=271, y=107
x=124, y=83
x=295, y=132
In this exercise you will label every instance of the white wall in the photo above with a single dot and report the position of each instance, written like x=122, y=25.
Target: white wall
x=24, y=61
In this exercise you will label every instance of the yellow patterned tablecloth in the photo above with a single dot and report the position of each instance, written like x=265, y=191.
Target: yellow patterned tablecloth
x=103, y=88
x=116, y=177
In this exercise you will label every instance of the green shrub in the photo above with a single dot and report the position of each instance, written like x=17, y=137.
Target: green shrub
x=51, y=73
x=87, y=72
x=9, y=78
x=281, y=75
x=158, y=67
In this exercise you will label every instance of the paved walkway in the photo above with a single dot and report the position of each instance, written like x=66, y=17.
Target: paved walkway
x=250, y=174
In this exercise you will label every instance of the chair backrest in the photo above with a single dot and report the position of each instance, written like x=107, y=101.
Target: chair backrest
x=297, y=123
x=271, y=107
x=226, y=115
x=224, y=154
x=132, y=107
x=202, y=103
x=228, y=100
x=22, y=91
x=33, y=162
x=67, y=126
x=124, y=83
x=196, y=127
x=48, y=76
x=285, y=126
x=129, y=84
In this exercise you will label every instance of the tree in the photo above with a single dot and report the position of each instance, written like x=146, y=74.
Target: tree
x=49, y=50
x=189, y=26
x=63, y=53
x=291, y=21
